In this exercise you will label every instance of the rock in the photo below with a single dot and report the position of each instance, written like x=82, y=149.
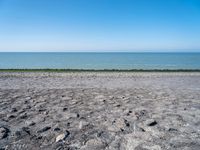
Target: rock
x=44, y=129
x=45, y=113
x=23, y=116
x=129, y=112
x=118, y=105
x=26, y=129
x=77, y=115
x=184, y=143
x=94, y=144
x=39, y=137
x=172, y=130
x=65, y=109
x=141, y=114
x=118, y=124
x=3, y=132
x=105, y=136
x=30, y=123
x=82, y=124
x=151, y=122
x=62, y=136
x=67, y=132
x=148, y=147
x=28, y=98
x=22, y=133
x=41, y=110
x=18, y=133
x=11, y=116
x=133, y=140
x=13, y=110
x=127, y=123
x=56, y=129
x=68, y=124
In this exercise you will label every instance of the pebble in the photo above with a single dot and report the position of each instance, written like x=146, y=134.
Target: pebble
x=56, y=129
x=62, y=136
x=172, y=129
x=118, y=105
x=32, y=124
x=127, y=123
x=23, y=116
x=65, y=109
x=26, y=129
x=82, y=124
x=28, y=98
x=117, y=125
x=151, y=122
x=13, y=110
x=77, y=115
x=45, y=113
x=94, y=144
x=11, y=116
x=44, y=129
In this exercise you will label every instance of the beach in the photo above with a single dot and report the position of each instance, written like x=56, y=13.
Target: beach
x=100, y=110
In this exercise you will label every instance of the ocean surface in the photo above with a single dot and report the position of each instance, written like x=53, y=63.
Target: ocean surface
x=13, y=60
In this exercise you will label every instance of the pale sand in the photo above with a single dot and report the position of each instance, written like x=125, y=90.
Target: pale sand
x=100, y=111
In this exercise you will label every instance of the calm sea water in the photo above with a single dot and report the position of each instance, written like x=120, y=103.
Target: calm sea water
x=100, y=60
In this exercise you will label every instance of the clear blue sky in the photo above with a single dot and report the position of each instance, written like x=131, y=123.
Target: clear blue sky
x=99, y=25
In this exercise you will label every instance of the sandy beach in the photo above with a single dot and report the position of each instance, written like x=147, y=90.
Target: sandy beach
x=100, y=110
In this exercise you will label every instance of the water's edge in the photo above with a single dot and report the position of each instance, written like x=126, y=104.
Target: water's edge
x=99, y=70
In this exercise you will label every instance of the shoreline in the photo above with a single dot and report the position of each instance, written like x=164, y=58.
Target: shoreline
x=99, y=70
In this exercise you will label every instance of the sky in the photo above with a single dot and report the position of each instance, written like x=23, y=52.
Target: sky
x=99, y=25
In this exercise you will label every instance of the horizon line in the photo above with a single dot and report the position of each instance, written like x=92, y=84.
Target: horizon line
x=108, y=51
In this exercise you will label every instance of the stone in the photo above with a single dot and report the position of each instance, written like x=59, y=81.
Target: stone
x=172, y=130
x=92, y=144
x=13, y=110
x=60, y=137
x=23, y=116
x=11, y=116
x=77, y=115
x=30, y=123
x=151, y=122
x=28, y=98
x=3, y=132
x=23, y=132
x=56, y=129
x=82, y=124
x=127, y=123
x=148, y=147
x=133, y=140
x=130, y=144
x=26, y=129
x=45, y=113
x=44, y=129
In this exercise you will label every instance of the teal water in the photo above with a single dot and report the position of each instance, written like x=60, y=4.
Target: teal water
x=100, y=60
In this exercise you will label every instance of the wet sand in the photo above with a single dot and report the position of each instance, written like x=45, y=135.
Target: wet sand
x=112, y=111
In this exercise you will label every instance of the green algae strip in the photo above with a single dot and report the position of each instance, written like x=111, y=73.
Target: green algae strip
x=99, y=70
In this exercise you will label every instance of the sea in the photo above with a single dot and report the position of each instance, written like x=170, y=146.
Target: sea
x=95, y=60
